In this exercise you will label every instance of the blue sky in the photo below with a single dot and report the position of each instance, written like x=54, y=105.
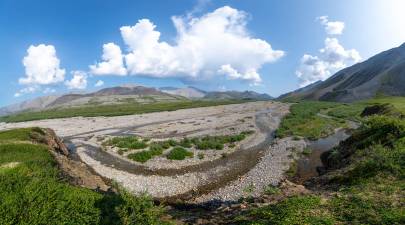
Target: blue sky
x=74, y=32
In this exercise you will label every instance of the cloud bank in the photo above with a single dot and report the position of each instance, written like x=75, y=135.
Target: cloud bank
x=79, y=80
x=214, y=44
x=331, y=58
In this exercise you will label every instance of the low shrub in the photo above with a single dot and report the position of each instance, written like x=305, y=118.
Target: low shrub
x=179, y=153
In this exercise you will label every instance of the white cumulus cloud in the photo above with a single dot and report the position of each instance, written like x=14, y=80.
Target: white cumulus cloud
x=113, y=62
x=216, y=43
x=332, y=27
x=78, y=81
x=42, y=66
x=99, y=83
x=331, y=58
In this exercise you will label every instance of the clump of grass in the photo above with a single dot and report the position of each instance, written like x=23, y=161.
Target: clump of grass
x=307, y=151
x=249, y=189
x=271, y=190
x=131, y=142
x=144, y=156
x=292, y=170
x=179, y=153
x=186, y=143
x=218, y=142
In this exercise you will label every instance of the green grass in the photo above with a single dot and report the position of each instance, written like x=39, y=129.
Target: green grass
x=307, y=151
x=143, y=156
x=113, y=110
x=397, y=102
x=34, y=192
x=313, y=120
x=271, y=190
x=368, y=182
x=292, y=211
x=156, y=148
x=22, y=134
x=130, y=142
x=346, y=111
x=179, y=153
x=218, y=142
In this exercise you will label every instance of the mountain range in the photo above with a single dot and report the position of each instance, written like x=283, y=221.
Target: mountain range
x=127, y=94
x=382, y=74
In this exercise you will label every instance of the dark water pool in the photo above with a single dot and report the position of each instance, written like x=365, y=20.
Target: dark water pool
x=307, y=165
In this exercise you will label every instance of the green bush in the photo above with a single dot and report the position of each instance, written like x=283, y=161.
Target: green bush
x=179, y=153
x=143, y=156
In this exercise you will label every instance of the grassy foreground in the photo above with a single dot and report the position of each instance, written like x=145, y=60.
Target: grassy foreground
x=32, y=191
x=113, y=110
x=366, y=179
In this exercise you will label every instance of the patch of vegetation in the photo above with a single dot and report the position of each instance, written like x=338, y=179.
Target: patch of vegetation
x=304, y=121
x=397, y=102
x=34, y=191
x=143, y=156
x=114, y=110
x=292, y=170
x=313, y=120
x=346, y=111
x=271, y=190
x=368, y=172
x=130, y=142
x=218, y=142
x=21, y=134
x=179, y=153
x=249, y=189
x=295, y=210
x=307, y=151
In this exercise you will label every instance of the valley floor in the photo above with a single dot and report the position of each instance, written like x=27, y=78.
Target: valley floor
x=224, y=175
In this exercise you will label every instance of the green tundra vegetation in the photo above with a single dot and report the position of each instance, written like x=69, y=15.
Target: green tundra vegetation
x=365, y=179
x=309, y=120
x=114, y=110
x=314, y=119
x=33, y=190
x=157, y=148
x=179, y=153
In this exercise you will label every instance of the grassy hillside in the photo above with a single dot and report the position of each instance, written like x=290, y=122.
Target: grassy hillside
x=364, y=183
x=32, y=190
x=112, y=110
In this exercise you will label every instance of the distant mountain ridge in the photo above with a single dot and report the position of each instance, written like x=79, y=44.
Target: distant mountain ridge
x=188, y=92
x=382, y=74
x=246, y=95
x=127, y=94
